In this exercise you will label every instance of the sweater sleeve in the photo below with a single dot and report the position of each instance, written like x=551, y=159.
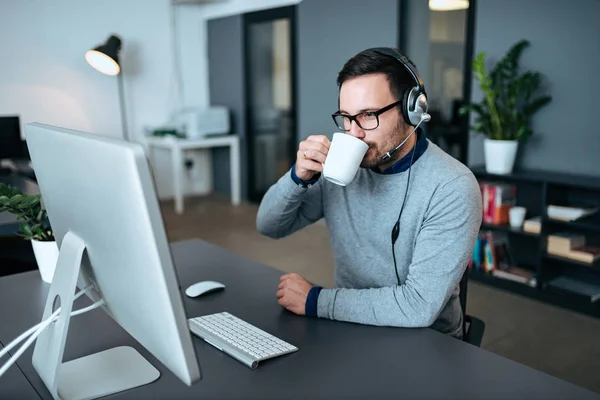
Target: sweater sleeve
x=288, y=207
x=442, y=249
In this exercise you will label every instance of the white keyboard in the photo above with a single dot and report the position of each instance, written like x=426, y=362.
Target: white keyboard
x=241, y=340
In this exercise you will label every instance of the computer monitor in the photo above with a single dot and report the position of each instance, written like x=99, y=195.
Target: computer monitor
x=11, y=144
x=104, y=211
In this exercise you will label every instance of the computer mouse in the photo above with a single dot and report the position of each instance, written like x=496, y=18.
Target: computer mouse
x=203, y=287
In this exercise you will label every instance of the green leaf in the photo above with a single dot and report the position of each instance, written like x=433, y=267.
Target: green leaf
x=26, y=229
x=536, y=105
x=510, y=97
x=29, y=202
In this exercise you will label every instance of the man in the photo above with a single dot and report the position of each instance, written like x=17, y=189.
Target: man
x=413, y=282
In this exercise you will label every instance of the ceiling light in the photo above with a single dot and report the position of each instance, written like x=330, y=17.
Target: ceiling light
x=448, y=5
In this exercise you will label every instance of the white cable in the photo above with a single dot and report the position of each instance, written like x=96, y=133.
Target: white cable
x=33, y=328
x=39, y=330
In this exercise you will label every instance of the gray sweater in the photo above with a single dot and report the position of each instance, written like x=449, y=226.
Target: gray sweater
x=438, y=228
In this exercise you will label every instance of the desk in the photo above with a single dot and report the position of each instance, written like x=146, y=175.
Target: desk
x=14, y=385
x=335, y=359
x=178, y=146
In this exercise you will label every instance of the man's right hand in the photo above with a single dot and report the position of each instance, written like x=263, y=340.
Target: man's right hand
x=312, y=153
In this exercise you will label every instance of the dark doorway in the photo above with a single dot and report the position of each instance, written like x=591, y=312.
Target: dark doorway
x=270, y=94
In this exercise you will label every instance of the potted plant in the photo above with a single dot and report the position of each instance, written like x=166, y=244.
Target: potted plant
x=34, y=226
x=509, y=101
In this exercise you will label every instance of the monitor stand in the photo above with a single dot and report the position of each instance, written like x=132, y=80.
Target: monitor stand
x=89, y=377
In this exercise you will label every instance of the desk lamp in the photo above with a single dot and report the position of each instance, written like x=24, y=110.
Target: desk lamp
x=105, y=58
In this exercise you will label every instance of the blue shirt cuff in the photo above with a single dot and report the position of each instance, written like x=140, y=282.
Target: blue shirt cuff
x=311, y=301
x=300, y=182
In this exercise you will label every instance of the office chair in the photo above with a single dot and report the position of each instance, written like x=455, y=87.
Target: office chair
x=473, y=327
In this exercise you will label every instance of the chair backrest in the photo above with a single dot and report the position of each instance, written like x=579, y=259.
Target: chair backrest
x=463, y=291
x=463, y=297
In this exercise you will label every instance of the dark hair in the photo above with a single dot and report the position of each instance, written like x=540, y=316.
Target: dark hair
x=371, y=62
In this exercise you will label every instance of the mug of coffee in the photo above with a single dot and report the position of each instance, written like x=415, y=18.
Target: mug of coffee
x=343, y=159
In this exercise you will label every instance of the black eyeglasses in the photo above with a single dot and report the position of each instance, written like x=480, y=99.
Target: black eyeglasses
x=367, y=120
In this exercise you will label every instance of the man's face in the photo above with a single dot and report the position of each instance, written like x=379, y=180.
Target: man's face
x=369, y=93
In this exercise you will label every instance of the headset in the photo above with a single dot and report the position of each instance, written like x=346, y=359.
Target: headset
x=414, y=111
x=414, y=100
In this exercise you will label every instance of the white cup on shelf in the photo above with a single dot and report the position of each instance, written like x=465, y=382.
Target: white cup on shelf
x=516, y=216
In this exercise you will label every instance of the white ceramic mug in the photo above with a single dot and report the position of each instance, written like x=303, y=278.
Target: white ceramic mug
x=343, y=159
x=516, y=216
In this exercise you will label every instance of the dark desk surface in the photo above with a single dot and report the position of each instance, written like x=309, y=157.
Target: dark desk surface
x=14, y=385
x=335, y=359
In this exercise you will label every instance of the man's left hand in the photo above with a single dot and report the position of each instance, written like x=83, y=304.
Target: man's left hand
x=292, y=293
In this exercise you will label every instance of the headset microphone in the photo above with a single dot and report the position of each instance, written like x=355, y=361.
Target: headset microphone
x=424, y=118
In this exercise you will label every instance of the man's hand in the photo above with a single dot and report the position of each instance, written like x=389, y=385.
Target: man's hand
x=311, y=155
x=292, y=293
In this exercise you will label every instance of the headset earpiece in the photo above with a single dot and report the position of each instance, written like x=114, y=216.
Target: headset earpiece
x=416, y=112
x=414, y=100
x=405, y=105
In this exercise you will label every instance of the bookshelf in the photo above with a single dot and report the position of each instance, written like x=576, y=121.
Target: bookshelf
x=536, y=190
x=507, y=228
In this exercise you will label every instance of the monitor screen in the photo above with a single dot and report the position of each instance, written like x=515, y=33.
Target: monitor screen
x=11, y=144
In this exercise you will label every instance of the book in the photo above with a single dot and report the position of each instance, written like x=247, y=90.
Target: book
x=564, y=213
x=516, y=274
x=533, y=225
x=562, y=242
x=586, y=254
x=490, y=252
x=497, y=199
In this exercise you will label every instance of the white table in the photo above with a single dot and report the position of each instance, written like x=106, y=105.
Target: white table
x=178, y=146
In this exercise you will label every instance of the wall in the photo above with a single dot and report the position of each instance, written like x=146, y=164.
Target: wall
x=563, y=48
x=325, y=43
x=226, y=86
x=322, y=49
x=44, y=76
x=193, y=37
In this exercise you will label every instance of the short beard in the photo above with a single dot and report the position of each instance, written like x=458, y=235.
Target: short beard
x=378, y=160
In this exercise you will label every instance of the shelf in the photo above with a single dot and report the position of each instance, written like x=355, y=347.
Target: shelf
x=507, y=228
x=593, y=266
x=535, y=191
x=591, y=222
x=542, y=177
x=502, y=283
x=544, y=294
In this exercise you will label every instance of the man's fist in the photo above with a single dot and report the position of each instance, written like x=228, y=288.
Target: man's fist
x=292, y=292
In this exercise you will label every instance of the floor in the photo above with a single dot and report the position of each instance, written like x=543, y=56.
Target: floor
x=557, y=341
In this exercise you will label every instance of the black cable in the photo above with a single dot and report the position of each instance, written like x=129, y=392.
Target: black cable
x=396, y=228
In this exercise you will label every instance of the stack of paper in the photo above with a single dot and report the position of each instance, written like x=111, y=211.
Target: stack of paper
x=564, y=213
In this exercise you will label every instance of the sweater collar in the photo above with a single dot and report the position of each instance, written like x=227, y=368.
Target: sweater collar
x=402, y=164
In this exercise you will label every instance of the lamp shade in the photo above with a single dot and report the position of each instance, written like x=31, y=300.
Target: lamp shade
x=105, y=58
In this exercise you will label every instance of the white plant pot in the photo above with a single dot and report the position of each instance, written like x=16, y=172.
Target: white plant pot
x=46, y=256
x=499, y=155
